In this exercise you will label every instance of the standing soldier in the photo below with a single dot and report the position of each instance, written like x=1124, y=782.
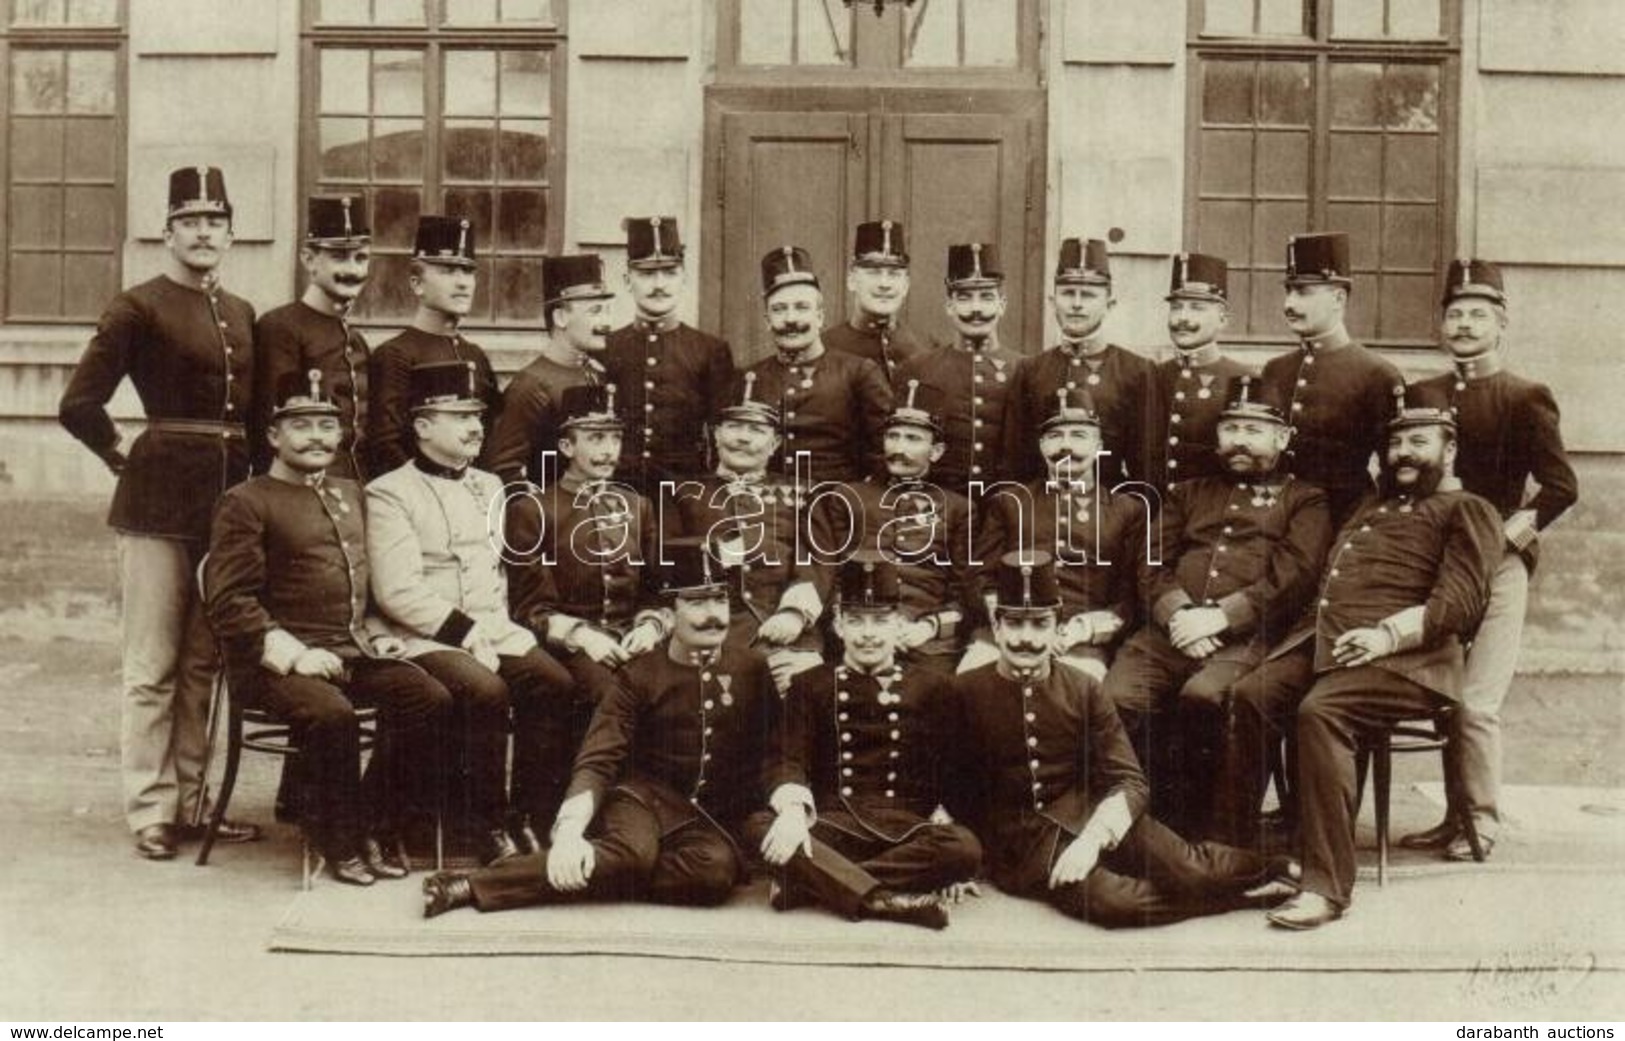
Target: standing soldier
x=877, y=278
x=866, y=738
x=1119, y=382
x=970, y=378
x=1509, y=435
x=576, y=310
x=314, y=331
x=673, y=378
x=443, y=275
x=188, y=346
x=1194, y=385
x=1338, y=394
x=831, y=405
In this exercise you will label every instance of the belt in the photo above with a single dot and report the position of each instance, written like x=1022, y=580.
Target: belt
x=203, y=427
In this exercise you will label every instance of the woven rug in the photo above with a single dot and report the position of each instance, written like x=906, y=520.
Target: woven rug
x=1550, y=898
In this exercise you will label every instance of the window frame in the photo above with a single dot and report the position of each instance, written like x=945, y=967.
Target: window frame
x=114, y=37
x=434, y=40
x=1322, y=50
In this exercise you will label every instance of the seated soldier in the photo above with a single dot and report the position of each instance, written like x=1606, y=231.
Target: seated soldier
x=670, y=767
x=286, y=582
x=1044, y=769
x=867, y=737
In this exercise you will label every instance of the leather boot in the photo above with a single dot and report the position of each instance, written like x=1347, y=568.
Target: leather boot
x=923, y=909
x=446, y=891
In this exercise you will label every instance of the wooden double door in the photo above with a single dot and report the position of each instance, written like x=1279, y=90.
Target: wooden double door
x=805, y=167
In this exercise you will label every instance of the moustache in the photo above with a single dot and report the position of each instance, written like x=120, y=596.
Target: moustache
x=349, y=280
x=977, y=318
x=711, y=625
x=1406, y=460
x=793, y=328
x=602, y=330
x=1293, y=316
x=1067, y=455
x=1184, y=327
x=318, y=447
x=1025, y=648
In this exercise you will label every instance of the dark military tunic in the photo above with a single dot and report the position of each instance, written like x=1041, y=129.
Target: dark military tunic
x=832, y=407
x=1185, y=422
x=973, y=386
x=1508, y=433
x=1339, y=401
x=296, y=338
x=531, y=417
x=1122, y=386
x=887, y=344
x=670, y=385
x=390, y=440
x=190, y=355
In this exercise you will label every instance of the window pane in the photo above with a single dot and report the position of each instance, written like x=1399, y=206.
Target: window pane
x=1225, y=229
x=527, y=11
x=343, y=12
x=1413, y=18
x=1413, y=167
x=1285, y=97
x=1354, y=94
x=397, y=149
x=1264, y=302
x=1283, y=164
x=1228, y=18
x=526, y=83
x=38, y=81
x=1227, y=92
x=518, y=289
x=1241, y=304
x=389, y=293
x=1362, y=310
x=481, y=311
x=1227, y=162
x=89, y=280
x=1363, y=222
x=398, y=12
x=522, y=151
x=397, y=83
x=36, y=217
x=1273, y=224
x=1407, y=307
x=1410, y=237
x=521, y=219
x=1357, y=18
x=395, y=216
x=92, y=12
x=1281, y=17
x=36, y=149
x=990, y=33
x=36, y=281
x=823, y=36
x=1355, y=168
x=343, y=148
x=344, y=80
x=471, y=12
x=36, y=12
x=91, y=76
x=90, y=218
x=764, y=31
x=469, y=147
x=1410, y=97
x=475, y=204
x=471, y=83
x=932, y=35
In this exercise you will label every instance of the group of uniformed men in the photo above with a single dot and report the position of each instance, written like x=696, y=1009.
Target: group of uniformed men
x=885, y=615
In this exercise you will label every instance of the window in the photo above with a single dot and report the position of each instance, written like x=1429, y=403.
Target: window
x=1334, y=115
x=62, y=213
x=441, y=106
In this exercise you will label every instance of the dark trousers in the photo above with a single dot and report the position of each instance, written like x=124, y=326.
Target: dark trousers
x=848, y=862
x=1174, y=709
x=472, y=767
x=1153, y=877
x=341, y=806
x=694, y=864
x=1263, y=708
x=1341, y=710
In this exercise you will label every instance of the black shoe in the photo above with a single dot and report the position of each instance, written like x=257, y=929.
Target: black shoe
x=351, y=871
x=386, y=858
x=496, y=847
x=446, y=891
x=1461, y=850
x=524, y=836
x=156, y=842
x=1282, y=880
x=1440, y=836
x=230, y=831
x=923, y=909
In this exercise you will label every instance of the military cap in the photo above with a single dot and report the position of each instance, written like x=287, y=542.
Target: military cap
x=1024, y=583
x=919, y=407
x=787, y=266
x=749, y=409
x=1083, y=263
x=1318, y=259
x=302, y=394
x=589, y=406
x=336, y=221
x=1199, y=276
x=445, y=240
x=197, y=190
x=445, y=386
x=1070, y=408
x=1474, y=278
x=879, y=243
x=973, y=265
x=1419, y=405
x=573, y=276
x=652, y=242
x=690, y=568
x=1248, y=401
x=868, y=582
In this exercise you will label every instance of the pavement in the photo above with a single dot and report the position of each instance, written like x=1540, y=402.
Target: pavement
x=91, y=932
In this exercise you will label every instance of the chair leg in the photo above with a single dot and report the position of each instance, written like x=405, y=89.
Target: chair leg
x=234, y=757
x=1382, y=763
